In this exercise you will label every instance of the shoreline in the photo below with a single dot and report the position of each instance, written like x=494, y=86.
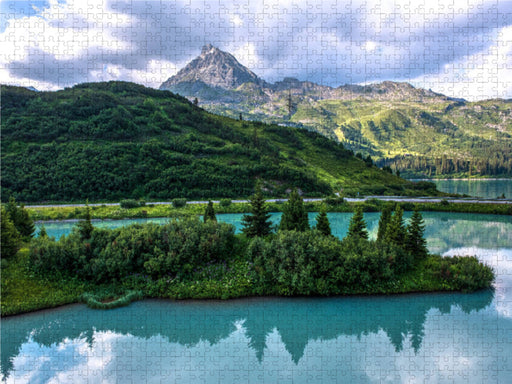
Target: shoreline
x=251, y=298
x=465, y=179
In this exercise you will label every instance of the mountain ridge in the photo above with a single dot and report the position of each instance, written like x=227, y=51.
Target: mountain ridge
x=394, y=122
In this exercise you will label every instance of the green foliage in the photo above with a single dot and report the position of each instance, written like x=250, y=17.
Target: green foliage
x=295, y=217
x=42, y=231
x=225, y=202
x=158, y=250
x=109, y=141
x=10, y=236
x=357, y=226
x=21, y=219
x=179, y=202
x=322, y=224
x=395, y=230
x=384, y=220
x=209, y=213
x=334, y=200
x=129, y=203
x=85, y=227
x=258, y=222
x=415, y=243
x=307, y=263
x=108, y=302
x=462, y=273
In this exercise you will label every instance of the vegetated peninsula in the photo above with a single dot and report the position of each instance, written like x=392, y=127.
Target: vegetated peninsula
x=419, y=132
x=204, y=259
x=118, y=140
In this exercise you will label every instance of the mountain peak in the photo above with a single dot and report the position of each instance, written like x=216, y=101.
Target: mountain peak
x=208, y=48
x=215, y=68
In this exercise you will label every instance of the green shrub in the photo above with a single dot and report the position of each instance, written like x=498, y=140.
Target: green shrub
x=103, y=302
x=464, y=273
x=176, y=249
x=179, y=203
x=225, y=202
x=306, y=263
x=334, y=200
x=129, y=203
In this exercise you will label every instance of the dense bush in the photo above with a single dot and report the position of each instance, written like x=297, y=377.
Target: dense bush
x=225, y=202
x=306, y=263
x=464, y=273
x=179, y=203
x=173, y=249
x=129, y=203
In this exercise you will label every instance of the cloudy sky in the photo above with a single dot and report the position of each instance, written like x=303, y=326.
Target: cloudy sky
x=462, y=48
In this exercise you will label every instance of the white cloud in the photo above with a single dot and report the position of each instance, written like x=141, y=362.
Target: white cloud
x=458, y=49
x=484, y=75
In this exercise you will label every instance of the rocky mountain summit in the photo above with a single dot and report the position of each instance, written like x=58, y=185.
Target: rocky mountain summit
x=213, y=68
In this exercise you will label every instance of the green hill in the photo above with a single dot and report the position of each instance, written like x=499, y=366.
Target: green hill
x=107, y=141
x=427, y=137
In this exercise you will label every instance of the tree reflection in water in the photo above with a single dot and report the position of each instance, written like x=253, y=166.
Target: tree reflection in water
x=297, y=320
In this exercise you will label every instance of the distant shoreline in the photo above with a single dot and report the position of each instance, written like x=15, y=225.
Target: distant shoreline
x=465, y=179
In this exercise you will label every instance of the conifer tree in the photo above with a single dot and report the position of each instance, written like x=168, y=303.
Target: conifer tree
x=209, y=212
x=257, y=223
x=21, y=219
x=357, y=226
x=395, y=232
x=295, y=217
x=415, y=243
x=385, y=218
x=322, y=223
x=10, y=237
x=42, y=231
x=85, y=227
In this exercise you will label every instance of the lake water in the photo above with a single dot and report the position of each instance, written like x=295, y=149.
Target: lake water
x=489, y=189
x=417, y=338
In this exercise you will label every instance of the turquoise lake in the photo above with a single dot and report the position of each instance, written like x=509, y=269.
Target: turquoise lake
x=416, y=338
x=486, y=188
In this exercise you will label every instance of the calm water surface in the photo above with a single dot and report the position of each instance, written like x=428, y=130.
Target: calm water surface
x=489, y=189
x=434, y=338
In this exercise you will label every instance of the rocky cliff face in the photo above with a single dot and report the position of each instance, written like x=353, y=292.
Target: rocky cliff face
x=213, y=68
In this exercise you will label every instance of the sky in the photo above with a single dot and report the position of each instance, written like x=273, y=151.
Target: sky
x=461, y=48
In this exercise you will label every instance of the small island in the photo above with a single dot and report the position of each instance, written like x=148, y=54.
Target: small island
x=190, y=258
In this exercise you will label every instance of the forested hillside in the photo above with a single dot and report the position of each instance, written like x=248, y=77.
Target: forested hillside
x=106, y=141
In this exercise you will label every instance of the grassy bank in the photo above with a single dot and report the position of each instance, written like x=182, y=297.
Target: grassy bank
x=330, y=205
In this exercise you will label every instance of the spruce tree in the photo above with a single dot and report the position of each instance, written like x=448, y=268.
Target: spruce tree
x=357, y=226
x=395, y=232
x=85, y=227
x=322, y=223
x=209, y=212
x=10, y=237
x=21, y=219
x=42, y=231
x=257, y=223
x=295, y=217
x=385, y=218
x=415, y=243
